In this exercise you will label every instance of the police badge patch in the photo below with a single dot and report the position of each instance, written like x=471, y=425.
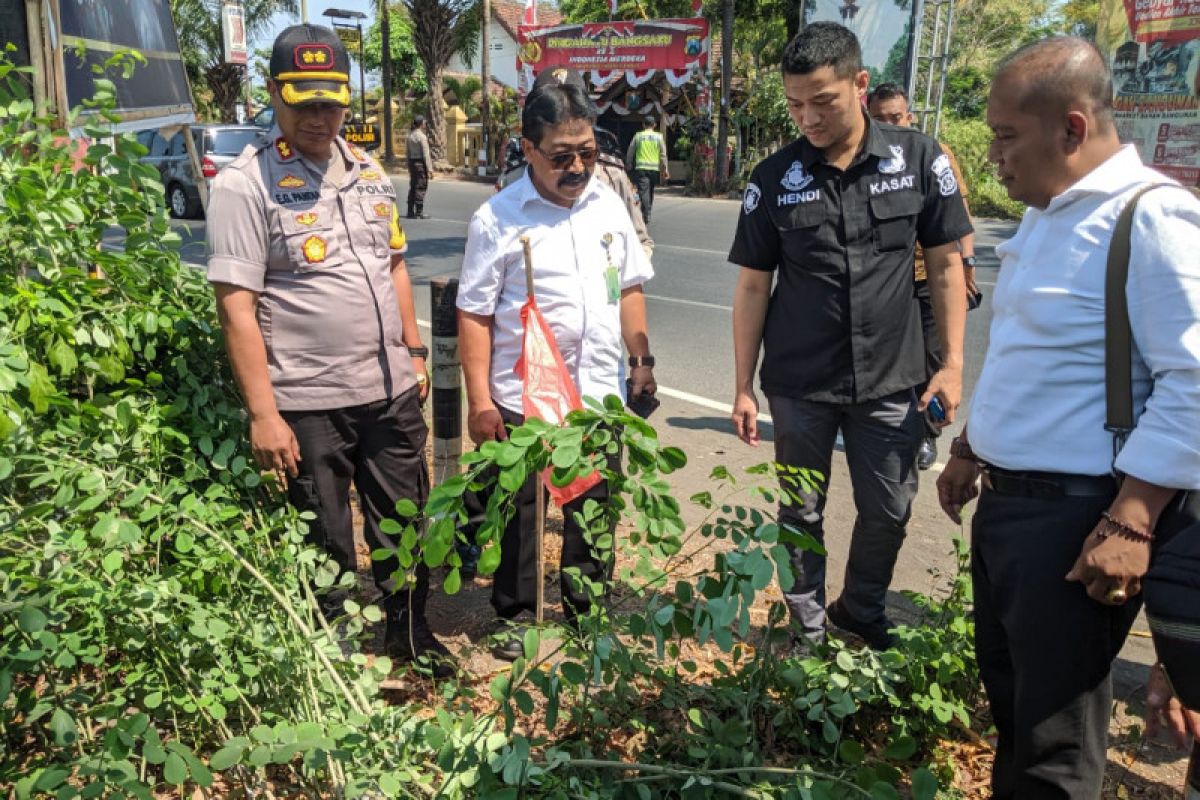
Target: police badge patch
x=796, y=178
x=890, y=166
x=947, y=183
x=751, y=197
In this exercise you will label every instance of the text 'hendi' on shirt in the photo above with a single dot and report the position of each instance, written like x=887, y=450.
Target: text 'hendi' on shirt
x=842, y=324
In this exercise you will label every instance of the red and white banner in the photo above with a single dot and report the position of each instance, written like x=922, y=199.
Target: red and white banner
x=629, y=46
x=530, y=15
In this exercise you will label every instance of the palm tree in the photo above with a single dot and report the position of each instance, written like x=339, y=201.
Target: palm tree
x=464, y=92
x=442, y=28
x=198, y=23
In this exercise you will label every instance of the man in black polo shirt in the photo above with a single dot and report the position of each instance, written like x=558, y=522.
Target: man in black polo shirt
x=834, y=215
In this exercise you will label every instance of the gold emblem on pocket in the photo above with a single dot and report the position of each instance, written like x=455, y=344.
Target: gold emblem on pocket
x=383, y=210
x=314, y=249
x=369, y=175
x=307, y=218
x=290, y=182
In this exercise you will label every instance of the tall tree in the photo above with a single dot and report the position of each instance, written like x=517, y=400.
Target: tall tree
x=408, y=73
x=442, y=28
x=198, y=23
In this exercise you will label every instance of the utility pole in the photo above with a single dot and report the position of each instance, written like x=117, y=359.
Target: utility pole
x=385, y=33
x=304, y=10
x=485, y=112
x=721, y=161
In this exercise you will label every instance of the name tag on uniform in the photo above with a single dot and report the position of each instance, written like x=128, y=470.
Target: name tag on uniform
x=612, y=278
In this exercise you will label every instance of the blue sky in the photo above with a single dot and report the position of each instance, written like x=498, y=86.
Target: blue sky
x=316, y=9
x=316, y=16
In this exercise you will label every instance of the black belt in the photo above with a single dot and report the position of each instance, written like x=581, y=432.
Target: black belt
x=1048, y=484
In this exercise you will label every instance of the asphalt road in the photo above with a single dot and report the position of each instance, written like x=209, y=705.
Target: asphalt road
x=689, y=300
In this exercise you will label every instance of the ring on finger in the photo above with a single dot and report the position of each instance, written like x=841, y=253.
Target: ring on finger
x=1116, y=595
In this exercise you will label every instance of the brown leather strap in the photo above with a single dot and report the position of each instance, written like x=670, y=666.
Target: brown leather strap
x=1118, y=336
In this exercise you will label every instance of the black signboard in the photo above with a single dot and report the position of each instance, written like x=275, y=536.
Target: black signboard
x=13, y=30
x=92, y=32
x=362, y=134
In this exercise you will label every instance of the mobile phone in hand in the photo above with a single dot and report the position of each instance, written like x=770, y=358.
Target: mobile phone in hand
x=935, y=410
x=642, y=404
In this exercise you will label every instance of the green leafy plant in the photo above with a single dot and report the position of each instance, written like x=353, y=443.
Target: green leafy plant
x=159, y=626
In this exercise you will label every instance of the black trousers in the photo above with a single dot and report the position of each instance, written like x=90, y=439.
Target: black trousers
x=644, y=180
x=1045, y=648
x=418, y=183
x=514, y=585
x=882, y=437
x=380, y=447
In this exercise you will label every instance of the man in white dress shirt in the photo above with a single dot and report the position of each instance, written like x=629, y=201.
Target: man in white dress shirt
x=588, y=274
x=1059, y=542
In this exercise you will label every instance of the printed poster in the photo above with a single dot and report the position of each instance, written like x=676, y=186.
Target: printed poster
x=1153, y=48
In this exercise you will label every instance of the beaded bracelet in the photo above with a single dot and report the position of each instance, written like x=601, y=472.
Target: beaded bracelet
x=1122, y=529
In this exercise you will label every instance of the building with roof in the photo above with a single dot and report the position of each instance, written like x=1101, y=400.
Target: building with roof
x=502, y=31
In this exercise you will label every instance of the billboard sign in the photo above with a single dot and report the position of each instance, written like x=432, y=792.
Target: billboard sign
x=233, y=34
x=1153, y=49
x=883, y=28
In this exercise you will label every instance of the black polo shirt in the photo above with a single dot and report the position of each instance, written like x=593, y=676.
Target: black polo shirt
x=842, y=324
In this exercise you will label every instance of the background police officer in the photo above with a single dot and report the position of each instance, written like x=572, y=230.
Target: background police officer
x=833, y=217
x=647, y=159
x=305, y=253
x=420, y=168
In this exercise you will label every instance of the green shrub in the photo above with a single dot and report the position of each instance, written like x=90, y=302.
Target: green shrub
x=969, y=139
x=157, y=619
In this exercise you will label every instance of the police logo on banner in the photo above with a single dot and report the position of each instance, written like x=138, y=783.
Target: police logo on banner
x=890, y=166
x=751, y=197
x=947, y=183
x=796, y=178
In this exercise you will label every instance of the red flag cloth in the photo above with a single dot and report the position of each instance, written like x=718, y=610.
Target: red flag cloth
x=530, y=15
x=549, y=393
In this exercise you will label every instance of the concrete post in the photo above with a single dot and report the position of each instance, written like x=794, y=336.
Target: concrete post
x=447, y=381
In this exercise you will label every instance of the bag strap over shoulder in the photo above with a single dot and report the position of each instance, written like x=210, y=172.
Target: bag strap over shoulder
x=1118, y=336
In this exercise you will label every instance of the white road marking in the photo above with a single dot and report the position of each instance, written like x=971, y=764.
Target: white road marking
x=661, y=246
x=681, y=301
x=687, y=397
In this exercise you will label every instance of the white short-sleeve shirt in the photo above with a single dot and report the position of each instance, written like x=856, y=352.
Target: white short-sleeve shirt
x=570, y=261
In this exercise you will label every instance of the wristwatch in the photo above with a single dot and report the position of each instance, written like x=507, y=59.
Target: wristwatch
x=419, y=352
x=961, y=448
x=969, y=261
x=641, y=361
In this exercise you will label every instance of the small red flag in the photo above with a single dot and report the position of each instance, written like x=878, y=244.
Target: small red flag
x=549, y=393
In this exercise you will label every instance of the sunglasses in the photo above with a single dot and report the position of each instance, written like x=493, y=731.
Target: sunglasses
x=564, y=161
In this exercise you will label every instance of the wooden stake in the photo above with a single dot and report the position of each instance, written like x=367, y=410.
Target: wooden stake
x=540, y=496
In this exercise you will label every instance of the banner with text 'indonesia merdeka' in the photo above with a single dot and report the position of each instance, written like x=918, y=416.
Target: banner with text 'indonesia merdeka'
x=1153, y=47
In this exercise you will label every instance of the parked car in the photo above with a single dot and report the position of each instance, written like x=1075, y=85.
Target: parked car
x=217, y=145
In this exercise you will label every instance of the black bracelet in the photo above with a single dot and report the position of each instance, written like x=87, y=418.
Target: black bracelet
x=1111, y=525
x=419, y=352
x=641, y=361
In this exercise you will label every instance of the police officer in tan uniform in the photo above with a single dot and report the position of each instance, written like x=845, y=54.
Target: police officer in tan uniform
x=306, y=256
